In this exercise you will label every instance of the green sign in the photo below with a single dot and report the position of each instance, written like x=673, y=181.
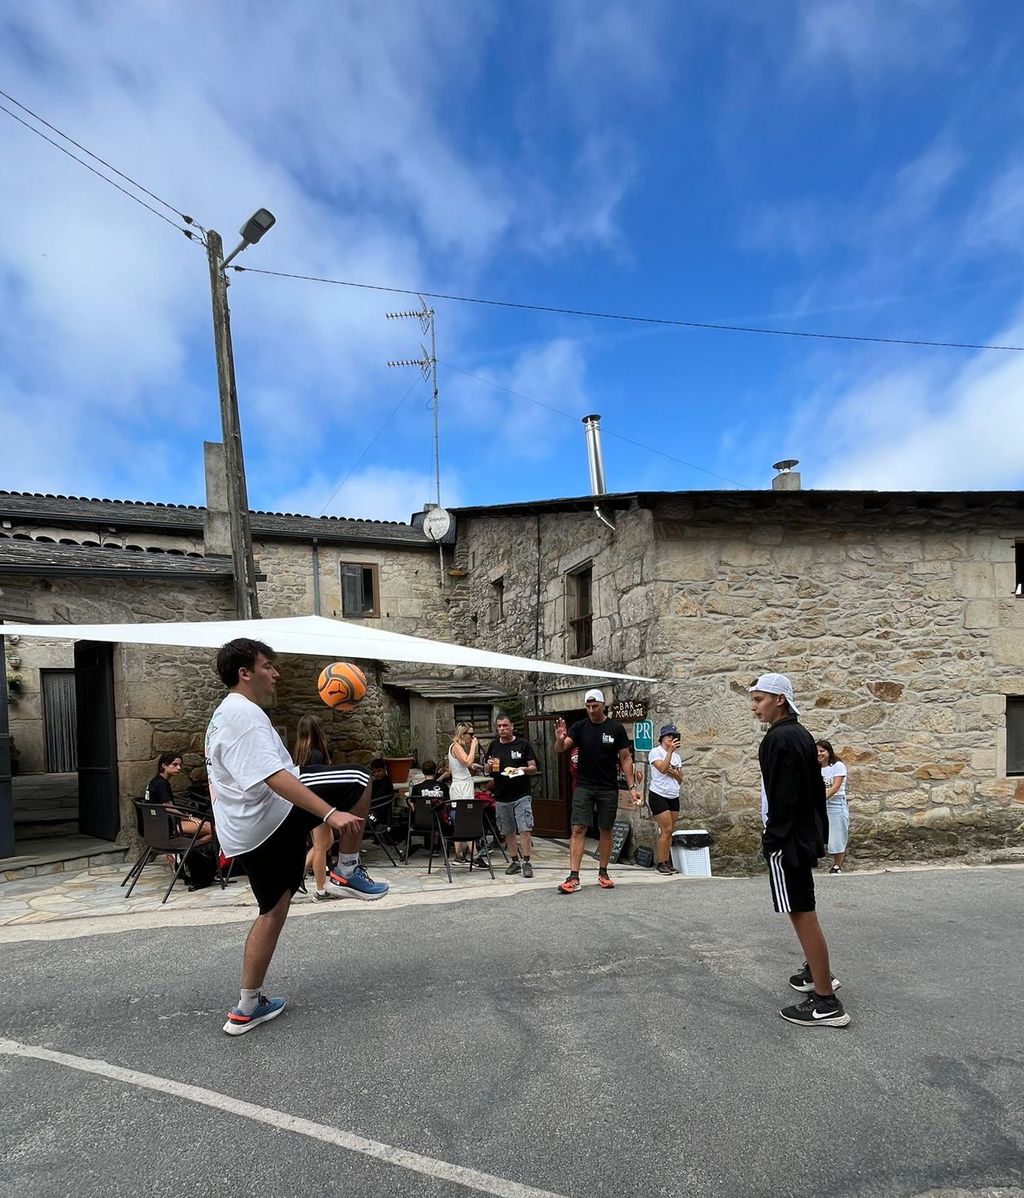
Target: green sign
x=643, y=736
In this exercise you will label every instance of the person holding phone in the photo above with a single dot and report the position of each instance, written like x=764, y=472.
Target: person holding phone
x=663, y=795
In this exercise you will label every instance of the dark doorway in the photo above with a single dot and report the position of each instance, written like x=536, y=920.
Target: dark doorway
x=60, y=721
x=98, y=805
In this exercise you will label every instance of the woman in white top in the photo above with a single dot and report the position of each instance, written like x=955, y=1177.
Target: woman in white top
x=461, y=759
x=663, y=793
x=834, y=773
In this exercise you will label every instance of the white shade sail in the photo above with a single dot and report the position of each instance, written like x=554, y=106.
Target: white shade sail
x=314, y=636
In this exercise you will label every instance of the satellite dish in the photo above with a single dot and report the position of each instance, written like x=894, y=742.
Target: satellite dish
x=436, y=523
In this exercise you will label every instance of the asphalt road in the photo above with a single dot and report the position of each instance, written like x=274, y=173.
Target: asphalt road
x=612, y=1043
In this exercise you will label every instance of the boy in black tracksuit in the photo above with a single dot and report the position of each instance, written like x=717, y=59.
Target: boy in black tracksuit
x=794, y=838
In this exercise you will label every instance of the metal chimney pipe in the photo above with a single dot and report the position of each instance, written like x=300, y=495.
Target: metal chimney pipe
x=595, y=464
x=594, y=461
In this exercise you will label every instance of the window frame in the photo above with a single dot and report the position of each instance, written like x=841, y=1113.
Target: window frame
x=374, y=611
x=1015, y=744
x=580, y=626
x=466, y=713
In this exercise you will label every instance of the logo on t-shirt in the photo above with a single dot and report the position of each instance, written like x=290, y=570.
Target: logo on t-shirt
x=516, y=755
x=607, y=738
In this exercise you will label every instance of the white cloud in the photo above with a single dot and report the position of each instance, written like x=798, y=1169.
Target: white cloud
x=939, y=427
x=376, y=493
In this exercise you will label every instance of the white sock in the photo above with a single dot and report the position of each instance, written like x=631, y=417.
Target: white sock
x=249, y=1001
x=347, y=863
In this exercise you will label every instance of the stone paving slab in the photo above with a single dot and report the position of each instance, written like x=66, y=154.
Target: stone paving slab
x=76, y=903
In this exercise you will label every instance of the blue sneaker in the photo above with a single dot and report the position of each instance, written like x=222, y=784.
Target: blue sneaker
x=358, y=885
x=267, y=1008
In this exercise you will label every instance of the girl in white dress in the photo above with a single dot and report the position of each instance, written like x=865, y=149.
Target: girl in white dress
x=834, y=773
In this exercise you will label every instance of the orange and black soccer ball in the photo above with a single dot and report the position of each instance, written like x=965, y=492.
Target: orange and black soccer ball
x=341, y=685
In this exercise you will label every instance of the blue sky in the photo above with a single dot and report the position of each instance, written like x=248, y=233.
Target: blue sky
x=837, y=166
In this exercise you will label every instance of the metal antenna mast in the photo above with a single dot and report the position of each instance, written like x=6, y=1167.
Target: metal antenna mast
x=428, y=366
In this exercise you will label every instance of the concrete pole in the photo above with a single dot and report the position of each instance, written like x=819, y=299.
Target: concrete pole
x=246, y=599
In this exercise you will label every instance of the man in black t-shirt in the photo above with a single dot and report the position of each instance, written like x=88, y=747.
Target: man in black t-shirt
x=511, y=762
x=603, y=750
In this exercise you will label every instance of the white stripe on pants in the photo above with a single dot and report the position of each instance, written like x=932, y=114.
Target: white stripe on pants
x=777, y=877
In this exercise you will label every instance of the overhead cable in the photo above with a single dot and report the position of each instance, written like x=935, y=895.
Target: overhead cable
x=655, y=320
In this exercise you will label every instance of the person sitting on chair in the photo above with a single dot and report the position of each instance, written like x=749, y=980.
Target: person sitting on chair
x=159, y=790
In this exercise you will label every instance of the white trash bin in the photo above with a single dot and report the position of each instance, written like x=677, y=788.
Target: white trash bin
x=691, y=853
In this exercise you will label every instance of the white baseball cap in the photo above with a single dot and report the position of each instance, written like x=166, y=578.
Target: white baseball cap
x=777, y=684
x=595, y=695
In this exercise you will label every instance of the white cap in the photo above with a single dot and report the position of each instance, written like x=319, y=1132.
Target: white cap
x=777, y=684
x=597, y=696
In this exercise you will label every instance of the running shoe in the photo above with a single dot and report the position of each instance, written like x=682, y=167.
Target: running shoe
x=357, y=885
x=817, y=1011
x=605, y=882
x=527, y=869
x=835, y=870
x=267, y=1008
x=323, y=896
x=513, y=866
x=804, y=982
x=570, y=885
x=663, y=867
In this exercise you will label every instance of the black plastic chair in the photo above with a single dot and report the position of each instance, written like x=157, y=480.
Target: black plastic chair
x=160, y=835
x=378, y=827
x=425, y=819
x=469, y=822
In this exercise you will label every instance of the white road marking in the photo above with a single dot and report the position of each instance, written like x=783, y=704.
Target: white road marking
x=472, y=1179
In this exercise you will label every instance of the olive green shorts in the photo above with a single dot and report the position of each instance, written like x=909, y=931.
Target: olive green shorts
x=594, y=805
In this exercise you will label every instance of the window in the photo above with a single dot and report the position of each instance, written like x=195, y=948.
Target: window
x=1018, y=578
x=359, y=590
x=580, y=611
x=1014, y=734
x=498, y=606
x=477, y=714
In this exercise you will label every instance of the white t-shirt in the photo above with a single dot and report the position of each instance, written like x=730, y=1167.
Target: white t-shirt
x=830, y=773
x=242, y=750
x=662, y=784
x=462, y=786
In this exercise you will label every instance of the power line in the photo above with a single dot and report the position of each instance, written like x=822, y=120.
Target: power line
x=607, y=432
x=655, y=320
x=99, y=174
x=370, y=445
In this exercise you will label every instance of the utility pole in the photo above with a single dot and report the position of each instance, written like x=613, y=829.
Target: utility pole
x=427, y=364
x=246, y=600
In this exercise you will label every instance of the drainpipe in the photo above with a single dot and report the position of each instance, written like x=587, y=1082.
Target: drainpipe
x=316, y=578
x=595, y=464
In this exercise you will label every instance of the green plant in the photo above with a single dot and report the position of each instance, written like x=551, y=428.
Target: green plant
x=397, y=737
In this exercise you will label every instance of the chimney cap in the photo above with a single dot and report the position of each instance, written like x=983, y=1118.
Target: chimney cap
x=786, y=464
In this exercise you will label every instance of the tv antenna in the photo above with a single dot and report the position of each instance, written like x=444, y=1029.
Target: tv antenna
x=427, y=364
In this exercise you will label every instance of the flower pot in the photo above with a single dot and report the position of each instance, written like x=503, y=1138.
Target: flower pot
x=398, y=768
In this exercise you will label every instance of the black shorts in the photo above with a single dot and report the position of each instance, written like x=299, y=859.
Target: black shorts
x=594, y=804
x=792, y=885
x=277, y=865
x=659, y=803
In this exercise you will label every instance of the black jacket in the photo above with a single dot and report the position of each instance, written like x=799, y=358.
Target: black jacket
x=797, y=817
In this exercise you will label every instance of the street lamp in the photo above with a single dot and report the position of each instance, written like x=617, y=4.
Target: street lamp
x=261, y=221
x=243, y=566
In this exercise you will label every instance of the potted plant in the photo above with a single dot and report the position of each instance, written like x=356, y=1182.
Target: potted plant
x=397, y=746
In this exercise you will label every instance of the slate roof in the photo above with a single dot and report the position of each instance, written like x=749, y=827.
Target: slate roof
x=187, y=519
x=45, y=560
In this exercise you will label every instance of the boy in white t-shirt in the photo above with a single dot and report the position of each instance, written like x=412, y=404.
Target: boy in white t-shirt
x=263, y=814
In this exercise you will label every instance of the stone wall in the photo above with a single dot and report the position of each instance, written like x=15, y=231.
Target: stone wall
x=410, y=599
x=897, y=624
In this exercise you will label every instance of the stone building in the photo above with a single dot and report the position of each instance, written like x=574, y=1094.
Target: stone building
x=67, y=560
x=898, y=615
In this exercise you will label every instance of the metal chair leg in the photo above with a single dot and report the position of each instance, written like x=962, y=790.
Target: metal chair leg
x=151, y=855
x=137, y=868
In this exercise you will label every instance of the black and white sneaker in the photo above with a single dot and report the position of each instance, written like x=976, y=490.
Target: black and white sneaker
x=817, y=1011
x=835, y=870
x=803, y=981
x=513, y=866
